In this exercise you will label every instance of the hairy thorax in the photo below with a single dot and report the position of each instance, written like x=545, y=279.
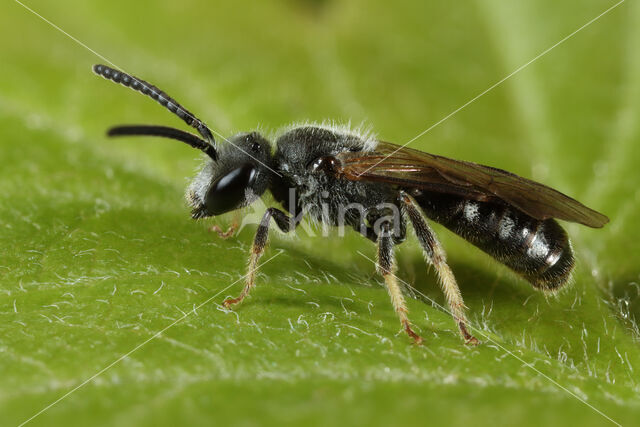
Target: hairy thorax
x=305, y=158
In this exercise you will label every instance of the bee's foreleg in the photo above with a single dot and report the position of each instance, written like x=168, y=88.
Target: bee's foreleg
x=284, y=223
x=386, y=267
x=233, y=227
x=435, y=255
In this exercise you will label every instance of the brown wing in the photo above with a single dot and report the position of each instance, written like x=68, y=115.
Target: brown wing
x=410, y=168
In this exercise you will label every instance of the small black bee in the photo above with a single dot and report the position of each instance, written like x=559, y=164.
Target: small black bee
x=340, y=177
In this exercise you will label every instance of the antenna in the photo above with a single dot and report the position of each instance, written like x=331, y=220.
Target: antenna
x=161, y=97
x=165, y=132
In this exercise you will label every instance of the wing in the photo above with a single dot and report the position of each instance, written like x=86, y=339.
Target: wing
x=408, y=168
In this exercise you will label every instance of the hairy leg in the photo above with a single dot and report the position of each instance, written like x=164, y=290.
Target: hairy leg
x=286, y=224
x=435, y=255
x=386, y=267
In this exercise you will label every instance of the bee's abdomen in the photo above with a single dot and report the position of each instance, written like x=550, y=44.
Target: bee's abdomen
x=538, y=250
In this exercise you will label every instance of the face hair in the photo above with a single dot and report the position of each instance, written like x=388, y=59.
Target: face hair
x=165, y=132
x=163, y=99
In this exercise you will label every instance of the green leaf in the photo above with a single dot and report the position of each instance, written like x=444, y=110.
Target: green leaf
x=98, y=254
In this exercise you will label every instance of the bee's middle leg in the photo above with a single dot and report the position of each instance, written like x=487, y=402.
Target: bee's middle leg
x=387, y=267
x=285, y=223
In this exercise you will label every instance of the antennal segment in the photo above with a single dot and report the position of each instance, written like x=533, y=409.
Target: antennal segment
x=161, y=97
x=165, y=132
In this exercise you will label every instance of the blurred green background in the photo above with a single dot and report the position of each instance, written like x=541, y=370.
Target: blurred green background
x=98, y=253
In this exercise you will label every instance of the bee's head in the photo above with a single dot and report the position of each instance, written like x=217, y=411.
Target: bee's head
x=238, y=176
x=236, y=173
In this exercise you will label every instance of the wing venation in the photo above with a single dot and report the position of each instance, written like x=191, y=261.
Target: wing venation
x=409, y=168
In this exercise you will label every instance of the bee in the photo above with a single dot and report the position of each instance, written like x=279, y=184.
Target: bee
x=323, y=172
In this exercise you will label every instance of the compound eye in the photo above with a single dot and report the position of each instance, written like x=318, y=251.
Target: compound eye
x=229, y=191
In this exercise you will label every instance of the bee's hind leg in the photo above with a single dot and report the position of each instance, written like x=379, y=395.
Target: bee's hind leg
x=436, y=256
x=284, y=223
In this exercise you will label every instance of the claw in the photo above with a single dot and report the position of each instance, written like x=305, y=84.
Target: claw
x=468, y=338
x=471, y=341
x=231, y=301
x=224, y=234
x=417, y=339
